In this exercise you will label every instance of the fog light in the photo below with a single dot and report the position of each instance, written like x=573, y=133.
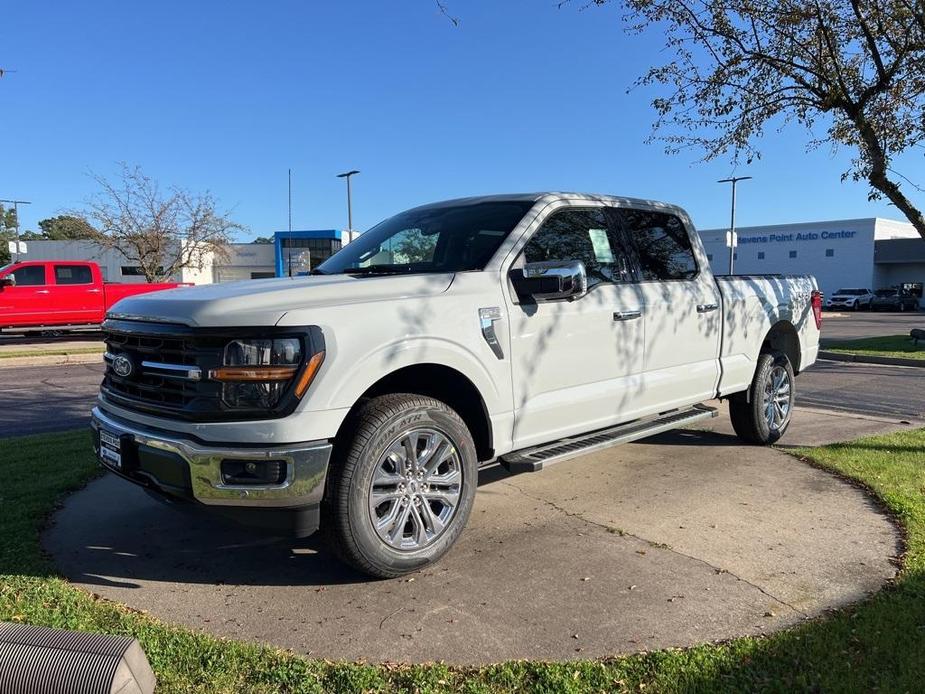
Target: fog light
x=253, y=472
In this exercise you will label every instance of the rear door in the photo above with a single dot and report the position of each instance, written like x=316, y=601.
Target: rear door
x=78, y=297
x=681, y=306
x=576, y=364
x=29, y=302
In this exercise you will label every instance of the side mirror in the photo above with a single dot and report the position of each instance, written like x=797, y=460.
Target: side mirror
x=8, y=281
x=550, y=280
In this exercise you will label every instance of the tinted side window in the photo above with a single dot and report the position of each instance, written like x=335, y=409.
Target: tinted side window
x=73, y=274
x=583, y=235
x=662, y=244
x=30, y=276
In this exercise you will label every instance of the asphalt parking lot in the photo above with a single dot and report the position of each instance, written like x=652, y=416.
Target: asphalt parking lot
x=853, y=326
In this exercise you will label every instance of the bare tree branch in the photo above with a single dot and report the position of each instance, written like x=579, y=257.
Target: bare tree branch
x=443, y=10
x=161, y=232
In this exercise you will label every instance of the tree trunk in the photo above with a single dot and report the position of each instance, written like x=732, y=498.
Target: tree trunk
x=879, y=179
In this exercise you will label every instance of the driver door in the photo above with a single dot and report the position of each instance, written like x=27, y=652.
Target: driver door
x=29, y=301
x=576, y=363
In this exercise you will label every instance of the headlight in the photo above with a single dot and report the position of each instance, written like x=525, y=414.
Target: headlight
x=256, y=373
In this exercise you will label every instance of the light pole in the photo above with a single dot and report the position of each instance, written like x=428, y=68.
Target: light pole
x=347, y=175
x=16, y=204
x=732, y=221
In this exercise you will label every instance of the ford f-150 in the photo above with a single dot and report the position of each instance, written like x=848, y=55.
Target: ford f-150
x=517, y=329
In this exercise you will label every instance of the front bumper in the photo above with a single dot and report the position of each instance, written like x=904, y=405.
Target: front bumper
x=181, y=469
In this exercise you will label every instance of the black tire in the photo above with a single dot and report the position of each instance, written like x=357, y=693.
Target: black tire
x=747, y=409
x=347, y=518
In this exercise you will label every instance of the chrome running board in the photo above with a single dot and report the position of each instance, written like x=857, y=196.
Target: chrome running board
x=536, y=458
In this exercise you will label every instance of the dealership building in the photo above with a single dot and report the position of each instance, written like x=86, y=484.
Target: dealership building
x=868, y=253
x=290, y=252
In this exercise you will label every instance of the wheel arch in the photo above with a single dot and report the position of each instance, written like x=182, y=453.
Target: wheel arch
x=442, y=383
x=783, y=337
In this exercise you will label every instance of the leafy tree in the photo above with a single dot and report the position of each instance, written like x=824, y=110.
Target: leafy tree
x=263, y=239
x=161, y=232
x=7, y=233
x=67, y=227
x=733, y=68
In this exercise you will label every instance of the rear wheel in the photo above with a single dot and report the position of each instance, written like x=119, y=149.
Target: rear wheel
x=402, y=486
x=761, y=415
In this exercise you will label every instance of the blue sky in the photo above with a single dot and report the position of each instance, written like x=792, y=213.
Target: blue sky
x=226, y=96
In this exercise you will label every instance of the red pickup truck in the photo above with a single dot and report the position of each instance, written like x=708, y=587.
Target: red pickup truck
x=59, y=293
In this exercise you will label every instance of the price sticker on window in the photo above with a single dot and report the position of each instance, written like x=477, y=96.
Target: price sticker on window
x=601, y=244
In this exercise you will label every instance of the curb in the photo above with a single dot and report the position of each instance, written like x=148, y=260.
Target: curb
x=865, y=359
x=52, y=360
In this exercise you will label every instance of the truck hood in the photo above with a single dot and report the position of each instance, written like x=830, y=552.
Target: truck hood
x=265, y=302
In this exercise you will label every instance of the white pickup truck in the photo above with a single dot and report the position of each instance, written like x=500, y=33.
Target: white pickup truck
x=517, y=329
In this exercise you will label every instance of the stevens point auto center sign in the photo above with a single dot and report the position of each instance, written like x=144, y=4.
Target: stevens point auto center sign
x=791, y=238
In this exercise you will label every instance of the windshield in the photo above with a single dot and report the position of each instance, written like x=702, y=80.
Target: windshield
x=5, y=268
x=851, y=292
x=450, y=238
x=886, y=292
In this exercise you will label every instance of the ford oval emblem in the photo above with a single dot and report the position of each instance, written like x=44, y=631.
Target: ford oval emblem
x=122, y=366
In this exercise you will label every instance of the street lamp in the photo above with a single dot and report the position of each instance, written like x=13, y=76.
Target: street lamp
x=732, y=221
x=347, y=175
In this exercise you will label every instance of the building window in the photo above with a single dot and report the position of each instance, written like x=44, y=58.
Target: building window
x=136, y=271
x=793, y=254
x=262, y=275
x=710, y=257
x=829, y=252
x=735, y=256
x=760, y=255
x=318, y=249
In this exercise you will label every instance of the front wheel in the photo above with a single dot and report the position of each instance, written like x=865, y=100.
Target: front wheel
x=761, y=415
x=401, y=487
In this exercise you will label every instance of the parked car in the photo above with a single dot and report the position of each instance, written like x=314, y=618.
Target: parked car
x=851, y=299
x=895, y=300
x=518, y=329
x=60, y=294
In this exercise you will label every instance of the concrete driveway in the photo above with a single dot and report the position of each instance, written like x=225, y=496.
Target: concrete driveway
x=681, y=539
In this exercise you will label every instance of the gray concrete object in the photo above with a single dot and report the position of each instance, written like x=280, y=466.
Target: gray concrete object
x=39, y=660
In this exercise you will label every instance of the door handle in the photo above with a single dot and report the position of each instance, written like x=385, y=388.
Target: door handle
x=42, y=291
x=93, y=291
x=706, y=308
x=626, y=315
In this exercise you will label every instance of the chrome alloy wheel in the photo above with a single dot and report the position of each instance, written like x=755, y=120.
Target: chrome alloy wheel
x=777, y=393
x=415, y=489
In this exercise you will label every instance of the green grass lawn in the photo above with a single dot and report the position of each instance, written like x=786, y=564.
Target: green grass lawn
x=891, y=346
x=877, y=645
x=51, y=351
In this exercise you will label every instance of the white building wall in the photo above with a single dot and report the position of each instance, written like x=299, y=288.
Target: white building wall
x=838, y=253
x=247, y=260
x=244, y=261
